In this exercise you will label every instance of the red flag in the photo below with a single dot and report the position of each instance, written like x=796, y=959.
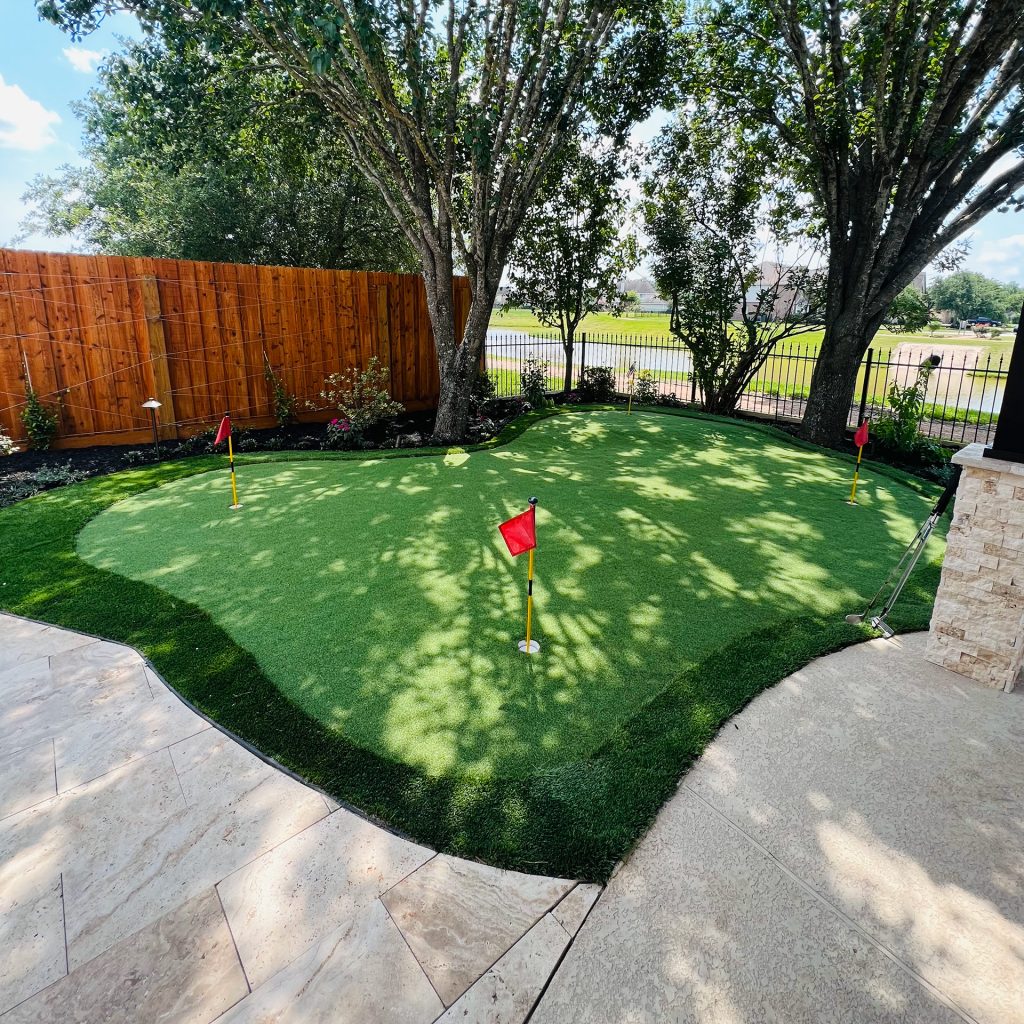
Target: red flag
x=223, y=431
x=861, y=437
x=520, y=532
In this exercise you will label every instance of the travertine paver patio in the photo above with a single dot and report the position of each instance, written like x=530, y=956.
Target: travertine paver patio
x=849, y=849
x=151, y=868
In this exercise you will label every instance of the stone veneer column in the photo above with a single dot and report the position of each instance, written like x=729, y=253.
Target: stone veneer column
x=977, y=626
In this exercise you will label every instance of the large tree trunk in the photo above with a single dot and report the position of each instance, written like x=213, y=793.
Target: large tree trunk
x=853, y=314
x=457, y=362
x=835, y=377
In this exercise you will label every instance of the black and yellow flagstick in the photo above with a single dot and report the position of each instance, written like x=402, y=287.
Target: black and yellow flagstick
x=856, y=477
x=529, y=646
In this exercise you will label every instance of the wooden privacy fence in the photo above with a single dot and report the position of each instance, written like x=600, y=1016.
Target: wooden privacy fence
x=95, y=336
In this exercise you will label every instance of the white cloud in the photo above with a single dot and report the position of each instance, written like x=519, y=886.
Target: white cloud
x=82, y=59
x=1001, y=258
x=24, y=122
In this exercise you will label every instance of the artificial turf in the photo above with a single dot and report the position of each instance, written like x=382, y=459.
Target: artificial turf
x=357, y=619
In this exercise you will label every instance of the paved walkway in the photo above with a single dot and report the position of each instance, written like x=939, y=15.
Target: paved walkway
x=850, y=849
x=152, y=869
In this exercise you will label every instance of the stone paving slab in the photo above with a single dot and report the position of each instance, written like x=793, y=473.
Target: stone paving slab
x=362, y=971
x=459, y=917
x=305, y=888
x=197, y=979
x=177, y=876
x=850, y=851
x=507, y=992
x=27, y=777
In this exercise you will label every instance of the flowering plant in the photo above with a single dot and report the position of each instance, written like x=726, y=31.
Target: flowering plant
x=343, y=433
x=7, y=445
x=361, y=396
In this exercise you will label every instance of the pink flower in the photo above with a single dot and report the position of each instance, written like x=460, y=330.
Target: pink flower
x=334, y=422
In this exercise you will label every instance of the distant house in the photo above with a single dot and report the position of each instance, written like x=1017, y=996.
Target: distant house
x=789, y=300
x=647, y=294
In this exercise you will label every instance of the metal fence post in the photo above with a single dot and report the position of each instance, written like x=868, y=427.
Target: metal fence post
x=693, y=381
x=583, y=357
x=864, y=389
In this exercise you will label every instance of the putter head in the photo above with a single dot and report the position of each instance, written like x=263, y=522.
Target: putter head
x=854, y=620
x=883, y=627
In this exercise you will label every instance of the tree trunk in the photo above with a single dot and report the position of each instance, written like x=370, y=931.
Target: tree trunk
x=457, y=363
x=835, y=379
x=568, y=346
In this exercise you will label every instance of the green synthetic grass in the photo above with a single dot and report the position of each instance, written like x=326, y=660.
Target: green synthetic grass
x=357, y=620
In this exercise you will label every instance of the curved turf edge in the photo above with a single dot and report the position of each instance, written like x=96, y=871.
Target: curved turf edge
x=576, y=820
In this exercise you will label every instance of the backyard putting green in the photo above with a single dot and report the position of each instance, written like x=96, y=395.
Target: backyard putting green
x=357, y=620
x=378, y=597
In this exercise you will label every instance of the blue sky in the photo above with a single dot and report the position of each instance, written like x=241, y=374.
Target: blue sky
x=42, y=72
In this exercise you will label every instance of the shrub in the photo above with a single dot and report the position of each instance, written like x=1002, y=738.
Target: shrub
x=484, y=390
x=198, y=444
x=645, y=388
x=533, y=381
x=935, y=325
x=598, y=384
x=897, y=430
x=284, y=401
x=7, y=445
x=40, y=422
x=361, y=396
x=342, y=433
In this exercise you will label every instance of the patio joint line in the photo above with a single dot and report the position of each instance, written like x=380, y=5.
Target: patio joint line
x=565, y=952
x=936, y=992
x=64, y=927
x=234, y=943
x=416, y=959
x=408, y=874
x=174, y=768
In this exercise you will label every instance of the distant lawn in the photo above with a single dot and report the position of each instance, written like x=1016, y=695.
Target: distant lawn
x=656, y=326
x=357, y=620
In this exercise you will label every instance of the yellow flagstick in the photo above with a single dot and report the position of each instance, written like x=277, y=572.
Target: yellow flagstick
x=856, y=477
x=632, y=377
x=529, y=645
x=529, y=600
x=231, y=466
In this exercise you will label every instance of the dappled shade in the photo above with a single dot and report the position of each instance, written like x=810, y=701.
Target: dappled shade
x=380, y=598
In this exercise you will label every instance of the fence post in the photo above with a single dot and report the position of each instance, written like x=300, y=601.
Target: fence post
x=864, y=389
x=693, y=381
x=158, y=356
x=583, y=357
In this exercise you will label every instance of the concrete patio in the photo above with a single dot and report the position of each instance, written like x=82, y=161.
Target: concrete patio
x=851, y=848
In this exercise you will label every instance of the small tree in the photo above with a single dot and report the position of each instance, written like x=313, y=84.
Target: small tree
x=572, y=252
x=707, y=201
x=909, y=312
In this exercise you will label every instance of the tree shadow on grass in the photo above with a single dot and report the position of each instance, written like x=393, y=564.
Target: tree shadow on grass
x=669, y=594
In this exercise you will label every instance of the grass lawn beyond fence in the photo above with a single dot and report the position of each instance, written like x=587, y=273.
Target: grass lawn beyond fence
x=357, y=620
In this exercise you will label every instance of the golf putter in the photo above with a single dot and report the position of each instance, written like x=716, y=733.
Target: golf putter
x=905, y=566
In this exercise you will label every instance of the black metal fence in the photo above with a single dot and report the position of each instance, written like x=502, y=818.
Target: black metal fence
x=964, y=395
